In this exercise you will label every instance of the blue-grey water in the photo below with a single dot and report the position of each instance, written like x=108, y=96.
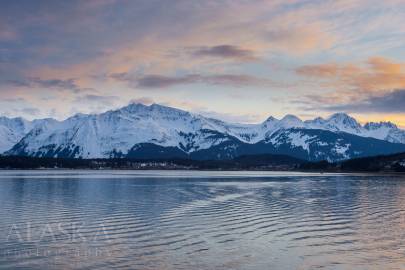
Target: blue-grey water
x=200, y=220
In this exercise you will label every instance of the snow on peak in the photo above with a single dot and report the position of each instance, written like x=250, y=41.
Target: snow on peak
x=290, y=117
x=342, y=118
x=12, y=130
x=152, y=111
x=270, y=119
x=117, y=131
x=340, y=115
x=318, y=120
x=317, y=123
x=270, y=127
x=374, y=125
x=270, y=123
x=343, y=122
x=78, y=116
x=290, y=121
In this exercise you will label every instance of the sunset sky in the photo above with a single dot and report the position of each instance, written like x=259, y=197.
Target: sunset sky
x=240, y=61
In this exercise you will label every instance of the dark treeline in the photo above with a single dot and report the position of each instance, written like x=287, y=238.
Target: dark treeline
x=390, y=163
x=254, y=162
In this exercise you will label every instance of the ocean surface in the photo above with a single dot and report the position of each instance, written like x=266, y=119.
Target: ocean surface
x=200, y=220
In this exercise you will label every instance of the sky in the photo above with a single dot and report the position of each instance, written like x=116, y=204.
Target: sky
x=239, y=60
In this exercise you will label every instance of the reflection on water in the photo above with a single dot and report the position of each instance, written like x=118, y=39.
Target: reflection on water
x=201, y=220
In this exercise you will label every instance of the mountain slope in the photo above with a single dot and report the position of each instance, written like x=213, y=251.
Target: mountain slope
x=12, y=130
x=313, y=144
x=155, y=131
x=341, y=122
x=115, y=133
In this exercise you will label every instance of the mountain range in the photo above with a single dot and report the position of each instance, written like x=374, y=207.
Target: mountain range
x=156, y=131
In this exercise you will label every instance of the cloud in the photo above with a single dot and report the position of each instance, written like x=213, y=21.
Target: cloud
x=93, y=103
x=300, y=40
x=62, y=84
x=7, y=34
x=102, y=100
x=13, y=100
x=229, y=117
x=227, y=52
x=237, y=80
x=56, y=83
x=391, y=102
x=162, y=81
x=22, y=111
x=18, y=106
x=30, y=111
x=72, y=40
x=121, y=76
x=198, y=108
x=377, y=74
x=117, y=37
x=19, y=83
x=329, y=70
x=142, y=100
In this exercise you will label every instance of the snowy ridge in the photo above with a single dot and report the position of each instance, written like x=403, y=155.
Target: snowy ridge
x=341, y=122
x=117, y=133
x=12, y=130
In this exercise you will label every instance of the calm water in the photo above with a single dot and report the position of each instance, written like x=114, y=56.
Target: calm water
x=200, y=220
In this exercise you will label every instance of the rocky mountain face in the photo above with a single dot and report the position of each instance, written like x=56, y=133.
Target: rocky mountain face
x=12, y=130
x=155, y=131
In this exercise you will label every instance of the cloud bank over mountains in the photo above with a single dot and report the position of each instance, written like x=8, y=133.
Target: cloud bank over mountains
x=227, y=56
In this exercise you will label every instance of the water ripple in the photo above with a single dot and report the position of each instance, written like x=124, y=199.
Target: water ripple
x=176, y=220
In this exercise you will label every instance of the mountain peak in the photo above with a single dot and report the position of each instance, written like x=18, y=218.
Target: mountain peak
x=340, y=116
x=133, y=106
x=291, y=118
x=319, y=120
x=159, y=106
x=153, y=107
x=382, y=124
x=117, y=132
x=290, y=121
x=343, y=122
x=270, y=119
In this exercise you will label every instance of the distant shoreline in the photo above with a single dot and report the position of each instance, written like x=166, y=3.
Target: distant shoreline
x=203, y=170
x=186, y=174
x=260, y=163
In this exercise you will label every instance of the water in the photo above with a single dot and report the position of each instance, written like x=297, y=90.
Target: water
x=200, y=220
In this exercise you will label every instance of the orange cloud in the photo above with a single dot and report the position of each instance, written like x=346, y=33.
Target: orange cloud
x=377, y=74
x=301, y=40
x=256, y=31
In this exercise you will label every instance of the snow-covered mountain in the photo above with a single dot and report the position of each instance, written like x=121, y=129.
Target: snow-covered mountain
x=115, y=133
x=12, y=130
x=153, y=131
x=341, y=122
